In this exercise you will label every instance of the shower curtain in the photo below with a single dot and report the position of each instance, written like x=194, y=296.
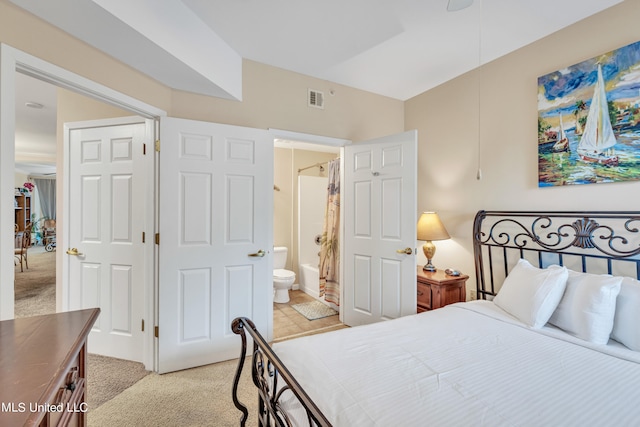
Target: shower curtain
x=329, y=254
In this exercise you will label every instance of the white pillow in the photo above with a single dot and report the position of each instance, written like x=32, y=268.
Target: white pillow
x=588, y=306
x=532, y=294
x=626, y=323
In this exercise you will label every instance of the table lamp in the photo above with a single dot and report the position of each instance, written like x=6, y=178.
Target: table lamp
x=430, y=228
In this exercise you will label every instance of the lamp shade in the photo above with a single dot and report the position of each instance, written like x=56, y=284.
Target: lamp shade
x=431, y=228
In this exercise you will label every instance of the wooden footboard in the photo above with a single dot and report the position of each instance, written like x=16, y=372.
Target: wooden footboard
x=272, y=379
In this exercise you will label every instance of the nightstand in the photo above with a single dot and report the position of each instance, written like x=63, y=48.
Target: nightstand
x=436, y=289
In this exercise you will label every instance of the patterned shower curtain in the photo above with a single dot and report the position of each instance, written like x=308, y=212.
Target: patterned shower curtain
x=329, y=253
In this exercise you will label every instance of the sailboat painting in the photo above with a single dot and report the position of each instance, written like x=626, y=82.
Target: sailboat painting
x=589, y=121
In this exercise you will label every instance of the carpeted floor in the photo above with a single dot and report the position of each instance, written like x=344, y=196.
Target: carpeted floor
x=35, y=287
x=193, y=397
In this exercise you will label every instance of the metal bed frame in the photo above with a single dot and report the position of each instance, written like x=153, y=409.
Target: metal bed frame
x=596, y=242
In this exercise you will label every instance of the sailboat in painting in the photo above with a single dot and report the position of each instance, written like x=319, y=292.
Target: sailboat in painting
x=598, y=139
x=562, y=144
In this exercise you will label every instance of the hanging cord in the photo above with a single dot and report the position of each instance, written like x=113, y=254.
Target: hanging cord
x=479, y=74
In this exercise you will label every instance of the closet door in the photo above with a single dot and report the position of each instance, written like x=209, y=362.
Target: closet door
x=216, y=239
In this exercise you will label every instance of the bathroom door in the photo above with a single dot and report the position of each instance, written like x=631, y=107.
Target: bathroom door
x=216, y=239
x=379, y=204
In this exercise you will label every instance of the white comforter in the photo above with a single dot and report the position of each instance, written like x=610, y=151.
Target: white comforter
x=467, y=364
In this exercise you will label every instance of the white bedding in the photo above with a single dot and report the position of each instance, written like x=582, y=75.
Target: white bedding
x=467, y=364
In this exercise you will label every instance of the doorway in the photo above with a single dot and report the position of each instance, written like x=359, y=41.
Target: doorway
x=14, y=62
x=300, y=184
x=34, y=182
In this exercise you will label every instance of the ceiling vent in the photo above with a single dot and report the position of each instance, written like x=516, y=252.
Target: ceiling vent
x=316, y=98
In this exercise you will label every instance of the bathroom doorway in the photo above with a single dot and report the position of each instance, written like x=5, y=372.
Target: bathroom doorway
x=300, y=184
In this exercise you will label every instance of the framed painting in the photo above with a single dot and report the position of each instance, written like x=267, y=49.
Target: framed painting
x=589, y=121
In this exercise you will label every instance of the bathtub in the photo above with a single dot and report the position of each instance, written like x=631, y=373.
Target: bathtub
x=310, y=283
x=310, y=280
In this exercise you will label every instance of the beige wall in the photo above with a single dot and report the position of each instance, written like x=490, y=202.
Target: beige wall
x=285, y=202
x=276, y=98
x=450, y=135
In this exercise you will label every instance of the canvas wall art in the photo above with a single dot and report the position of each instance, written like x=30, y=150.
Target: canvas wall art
x=589, y=121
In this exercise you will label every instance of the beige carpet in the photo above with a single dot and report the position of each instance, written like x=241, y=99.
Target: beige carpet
x=108, y=377
x=189, y=398
x=35, y=287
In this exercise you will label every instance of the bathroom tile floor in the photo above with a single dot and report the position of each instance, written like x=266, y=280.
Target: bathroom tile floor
x=288, y=323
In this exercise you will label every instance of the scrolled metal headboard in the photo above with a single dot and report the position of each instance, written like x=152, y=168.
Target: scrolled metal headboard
x=598, y=242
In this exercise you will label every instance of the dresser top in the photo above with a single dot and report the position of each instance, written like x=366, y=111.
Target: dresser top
x=35, y=353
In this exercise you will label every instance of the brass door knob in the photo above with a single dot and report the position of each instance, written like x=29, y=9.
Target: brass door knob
x=407, y=251
x=260, y=253
x=73, y=251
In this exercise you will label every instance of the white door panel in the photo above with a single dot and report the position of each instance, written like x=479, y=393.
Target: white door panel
x=379, y=202
x=106, y=209
x=216, y=210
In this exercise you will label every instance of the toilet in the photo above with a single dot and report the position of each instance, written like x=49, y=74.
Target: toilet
x=282, y=279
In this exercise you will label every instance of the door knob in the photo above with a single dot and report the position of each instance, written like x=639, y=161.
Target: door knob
x=73, y=251
x=407, y=251
x=260, y=253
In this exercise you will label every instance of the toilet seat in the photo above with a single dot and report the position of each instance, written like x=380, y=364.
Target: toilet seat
x=283, y=274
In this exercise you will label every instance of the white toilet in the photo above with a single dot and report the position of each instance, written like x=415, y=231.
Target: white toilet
x=282, y=279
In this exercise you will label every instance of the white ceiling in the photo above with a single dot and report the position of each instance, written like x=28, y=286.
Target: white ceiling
x=35, y=127
x=397, y=48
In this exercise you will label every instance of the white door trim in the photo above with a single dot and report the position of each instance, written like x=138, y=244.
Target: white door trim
x=11, y=61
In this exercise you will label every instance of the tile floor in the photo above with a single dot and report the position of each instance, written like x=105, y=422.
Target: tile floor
x=288, y=323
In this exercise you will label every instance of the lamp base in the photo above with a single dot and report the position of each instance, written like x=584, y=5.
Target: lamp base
x=429, y=250
x=429, y=267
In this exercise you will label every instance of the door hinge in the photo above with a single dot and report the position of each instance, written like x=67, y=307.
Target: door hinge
x=156, y=331
x=144, y=149
x=157, y=238
x=142, y=326
x=157, y=145
x=143, y=237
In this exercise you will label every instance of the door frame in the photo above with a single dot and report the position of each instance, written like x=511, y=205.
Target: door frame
x=13, y=61
x=321, y=140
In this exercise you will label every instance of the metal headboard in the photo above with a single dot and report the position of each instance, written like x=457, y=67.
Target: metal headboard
x=594, y=242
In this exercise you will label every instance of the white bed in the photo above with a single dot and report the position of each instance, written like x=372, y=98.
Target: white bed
x=468, y=364
x=553, y=341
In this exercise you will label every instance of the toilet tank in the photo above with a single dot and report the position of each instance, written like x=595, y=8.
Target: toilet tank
x=279, y=257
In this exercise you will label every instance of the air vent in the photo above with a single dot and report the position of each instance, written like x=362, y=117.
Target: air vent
x=316, y=99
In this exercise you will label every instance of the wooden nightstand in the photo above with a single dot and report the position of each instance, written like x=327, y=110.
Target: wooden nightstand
x=436, y=289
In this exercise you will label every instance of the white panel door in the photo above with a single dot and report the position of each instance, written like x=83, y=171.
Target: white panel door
x=379, y=204
x=216, y=220
x=106, y=267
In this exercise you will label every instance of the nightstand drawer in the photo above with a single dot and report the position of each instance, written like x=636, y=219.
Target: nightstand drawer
x=424, y=297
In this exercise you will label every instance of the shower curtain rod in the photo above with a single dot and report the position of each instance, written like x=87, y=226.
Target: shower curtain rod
x=317, y=165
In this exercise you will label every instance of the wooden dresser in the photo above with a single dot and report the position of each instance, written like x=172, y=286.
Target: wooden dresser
x=436, y=289
x=43, y=369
